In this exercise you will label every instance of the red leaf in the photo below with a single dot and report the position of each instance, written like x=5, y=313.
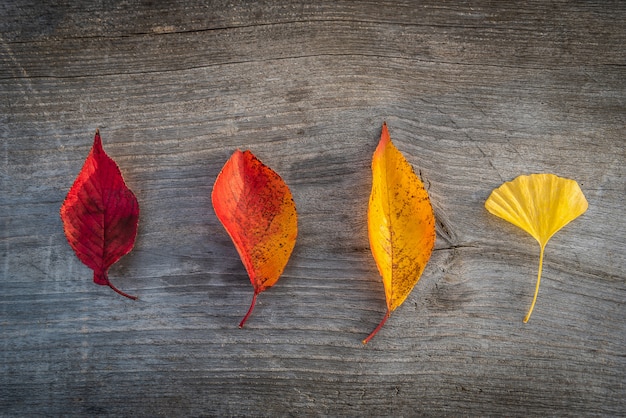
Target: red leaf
x=256, y=207
x=100, y=215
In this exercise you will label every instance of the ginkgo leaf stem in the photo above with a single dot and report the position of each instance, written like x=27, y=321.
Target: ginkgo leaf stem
x=120, y=292
x=532, y=306
x=369, y=337
x=245, y=318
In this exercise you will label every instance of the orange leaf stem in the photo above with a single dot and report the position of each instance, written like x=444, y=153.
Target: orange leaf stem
x=249, y=310
x=369, y=337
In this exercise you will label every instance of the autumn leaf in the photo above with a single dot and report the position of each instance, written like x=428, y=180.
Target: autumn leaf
x=540, y=204
x=100, y=215
x=257, y=210
x=401, y=224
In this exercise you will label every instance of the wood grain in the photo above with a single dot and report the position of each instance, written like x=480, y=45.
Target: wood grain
x=474, y=94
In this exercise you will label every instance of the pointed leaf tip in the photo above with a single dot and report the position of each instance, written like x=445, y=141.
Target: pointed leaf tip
x=540, y=204
x=100, y=215
x=97, y=143
x=385, y=139
x=401, y=223
x=256, y=208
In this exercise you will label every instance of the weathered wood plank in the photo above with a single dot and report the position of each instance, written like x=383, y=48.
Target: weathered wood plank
x=474, y=94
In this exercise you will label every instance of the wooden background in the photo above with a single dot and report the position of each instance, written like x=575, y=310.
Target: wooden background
x=475, y=94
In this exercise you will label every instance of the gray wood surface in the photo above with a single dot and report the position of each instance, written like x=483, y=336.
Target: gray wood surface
x=475, y=93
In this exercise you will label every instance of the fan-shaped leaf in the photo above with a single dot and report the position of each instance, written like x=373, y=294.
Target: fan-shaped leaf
x=401, y=224
x=257, y=210
x=540, y=204
x=100, y=215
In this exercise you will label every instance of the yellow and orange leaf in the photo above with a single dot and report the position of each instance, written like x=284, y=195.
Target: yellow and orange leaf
x=401, y=224
x=540, y=204
x=257, y=210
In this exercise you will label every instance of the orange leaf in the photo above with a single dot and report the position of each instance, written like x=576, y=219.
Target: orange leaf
x=401, y=224
x=257, y=210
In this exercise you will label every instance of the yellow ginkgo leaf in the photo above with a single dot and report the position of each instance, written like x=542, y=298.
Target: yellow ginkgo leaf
x=540, y=204
x=401, y=224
